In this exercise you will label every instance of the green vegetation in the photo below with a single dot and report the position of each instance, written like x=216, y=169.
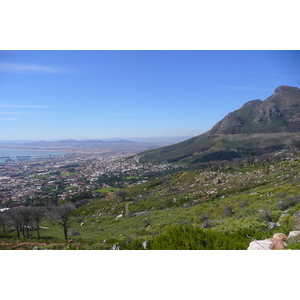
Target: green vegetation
x=106, y=190
x=68, y=174
x=72, y=187
x=217, y=206
x=189, y=238
x=132, y=177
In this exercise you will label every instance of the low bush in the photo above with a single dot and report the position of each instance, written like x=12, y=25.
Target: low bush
x=189, y=238
x=290, y=202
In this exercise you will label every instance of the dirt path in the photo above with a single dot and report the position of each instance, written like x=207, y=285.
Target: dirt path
x=173, y=182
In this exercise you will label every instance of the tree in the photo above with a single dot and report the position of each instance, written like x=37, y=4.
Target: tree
x=122, y=194
x=38, y=214
x=25, y=217
x=15, y=220
x=61, y=215
x=3, y=220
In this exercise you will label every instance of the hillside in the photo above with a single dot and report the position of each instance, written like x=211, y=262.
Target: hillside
x=221, y=206
x=257, y=127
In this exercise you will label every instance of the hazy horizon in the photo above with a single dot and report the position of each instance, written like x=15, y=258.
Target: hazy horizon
x=104, y=139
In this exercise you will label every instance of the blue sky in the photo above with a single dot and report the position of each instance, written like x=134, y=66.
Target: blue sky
x=105, y=94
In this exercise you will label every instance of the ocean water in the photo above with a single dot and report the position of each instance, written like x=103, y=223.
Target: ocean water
x=26, y=154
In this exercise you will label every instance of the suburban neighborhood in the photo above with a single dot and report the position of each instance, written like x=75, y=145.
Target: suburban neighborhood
x=56, y=178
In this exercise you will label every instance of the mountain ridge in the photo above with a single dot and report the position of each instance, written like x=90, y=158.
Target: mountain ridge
x=278, y=113
x=255, y=128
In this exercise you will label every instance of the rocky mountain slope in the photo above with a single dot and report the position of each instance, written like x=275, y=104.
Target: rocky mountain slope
x=278, y=113
x=256, y=128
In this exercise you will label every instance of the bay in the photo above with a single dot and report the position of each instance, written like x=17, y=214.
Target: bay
x=27, y=154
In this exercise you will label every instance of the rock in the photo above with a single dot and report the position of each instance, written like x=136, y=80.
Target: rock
x=216, y=181
x=35, y=248
x=294, y=235
x=272, y=225
x=115, y=247
x=145, y=244
x=260, y=245
x=283, y=214
x=119, y=216
x=212, y=193
x=297, y=214
x=297, y=220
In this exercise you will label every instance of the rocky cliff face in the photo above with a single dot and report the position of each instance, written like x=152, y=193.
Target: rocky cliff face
x=278, y=113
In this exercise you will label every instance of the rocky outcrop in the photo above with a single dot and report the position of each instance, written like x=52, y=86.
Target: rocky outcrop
x=294, y=236
x=297, y=220
x=278, y=113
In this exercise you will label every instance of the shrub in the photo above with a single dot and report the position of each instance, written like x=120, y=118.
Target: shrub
x=293, y=201
x=281, y=205
x=73, y=232
x=205, y=220
x=228, y=211
x=284, y=204
x=189, y=238
x=265, y=215
x=295, y=246
x=282, y=195
x=99, y=246
x=244, y=203
x=136, y=244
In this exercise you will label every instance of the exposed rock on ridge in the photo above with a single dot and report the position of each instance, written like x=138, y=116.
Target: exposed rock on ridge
x=278, y=113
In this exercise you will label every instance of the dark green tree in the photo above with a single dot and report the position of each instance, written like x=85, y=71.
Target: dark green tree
x=122, y=194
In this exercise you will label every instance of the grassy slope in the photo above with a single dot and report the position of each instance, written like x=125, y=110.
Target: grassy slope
x=196, y=148
x=181, y=199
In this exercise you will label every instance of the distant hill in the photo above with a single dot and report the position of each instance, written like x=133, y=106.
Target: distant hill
x=113, y=145
x=159, y=140
x=256, y=128
x=136, y=144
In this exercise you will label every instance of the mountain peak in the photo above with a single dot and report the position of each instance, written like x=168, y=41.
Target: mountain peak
x=278, y=113
x=283, y=89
